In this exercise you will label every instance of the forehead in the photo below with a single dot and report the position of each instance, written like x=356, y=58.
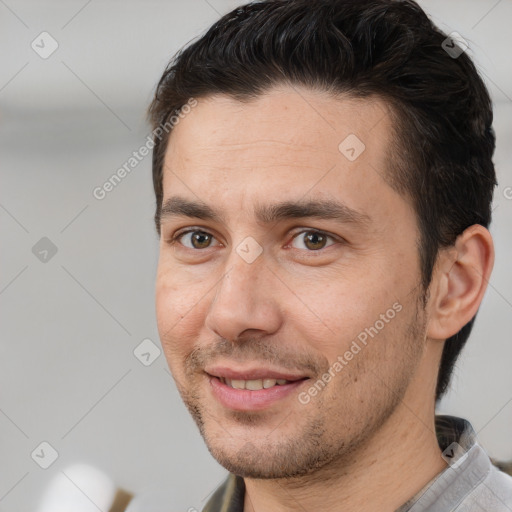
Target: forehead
x=286, y=144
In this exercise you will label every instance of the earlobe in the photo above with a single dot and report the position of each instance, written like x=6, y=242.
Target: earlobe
x=461, y=277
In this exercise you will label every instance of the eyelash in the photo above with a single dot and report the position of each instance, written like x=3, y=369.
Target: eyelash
x=178, y=235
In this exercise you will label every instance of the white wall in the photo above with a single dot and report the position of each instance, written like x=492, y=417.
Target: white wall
x=68, y=375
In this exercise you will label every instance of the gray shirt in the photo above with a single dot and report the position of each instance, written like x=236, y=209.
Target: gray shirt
x=470, y=483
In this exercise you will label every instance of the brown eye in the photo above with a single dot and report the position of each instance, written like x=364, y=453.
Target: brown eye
x=194, y=239
x=200, y=240
x=313, y=240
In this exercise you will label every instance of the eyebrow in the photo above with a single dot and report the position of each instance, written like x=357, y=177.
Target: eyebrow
x=177, y=206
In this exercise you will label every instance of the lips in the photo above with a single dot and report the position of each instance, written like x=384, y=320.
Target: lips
x=251, y=389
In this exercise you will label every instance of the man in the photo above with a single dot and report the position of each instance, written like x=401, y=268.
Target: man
x=323, y=176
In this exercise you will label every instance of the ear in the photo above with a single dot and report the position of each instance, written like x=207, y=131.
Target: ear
x=460, y=279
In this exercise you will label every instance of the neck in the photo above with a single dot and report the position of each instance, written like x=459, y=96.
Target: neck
x=391, y=467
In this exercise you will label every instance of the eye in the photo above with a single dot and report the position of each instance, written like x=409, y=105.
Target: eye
x=197, y=239
x=312, y=240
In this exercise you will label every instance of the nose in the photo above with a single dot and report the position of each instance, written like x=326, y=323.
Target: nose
x=245, y=300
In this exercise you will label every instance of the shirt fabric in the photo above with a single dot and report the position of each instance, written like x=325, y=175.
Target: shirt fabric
x=470, y=483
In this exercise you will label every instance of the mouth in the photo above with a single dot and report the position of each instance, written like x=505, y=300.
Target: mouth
x=251, y=390
x=254, y=384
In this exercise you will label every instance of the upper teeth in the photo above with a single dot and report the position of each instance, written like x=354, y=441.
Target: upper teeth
x=253, y=385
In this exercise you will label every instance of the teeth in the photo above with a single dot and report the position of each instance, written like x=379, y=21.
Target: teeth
x=253, y=385
x=238, y=384
x=268, y=383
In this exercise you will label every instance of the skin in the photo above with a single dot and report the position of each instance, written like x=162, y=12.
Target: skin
x=299, y=304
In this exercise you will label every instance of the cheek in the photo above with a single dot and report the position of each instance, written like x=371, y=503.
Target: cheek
x=167, y=312
x=178, y=306
x=176, y=293
x=338, y=313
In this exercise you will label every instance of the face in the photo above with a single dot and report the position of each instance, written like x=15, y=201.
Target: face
x=287, y=295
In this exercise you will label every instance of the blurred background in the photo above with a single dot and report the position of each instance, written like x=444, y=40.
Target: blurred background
x=82, y=378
